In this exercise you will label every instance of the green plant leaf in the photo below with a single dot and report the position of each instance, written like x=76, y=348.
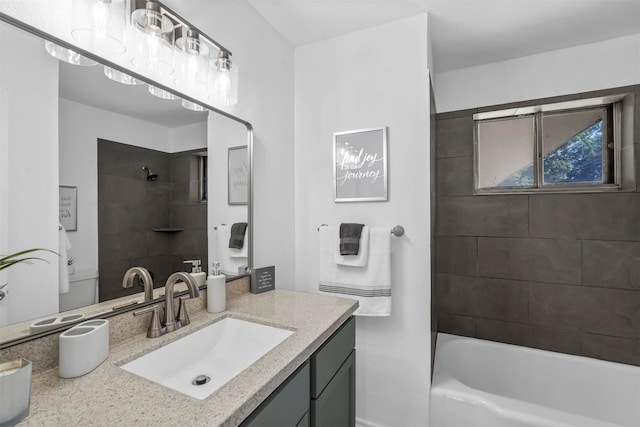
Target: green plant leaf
x=9, y=260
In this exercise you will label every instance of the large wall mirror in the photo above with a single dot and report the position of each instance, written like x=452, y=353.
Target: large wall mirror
x=142, y=181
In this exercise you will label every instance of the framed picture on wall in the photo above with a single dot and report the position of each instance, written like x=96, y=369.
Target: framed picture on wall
x=238, y=175
x=68, y=206
x=360, y=165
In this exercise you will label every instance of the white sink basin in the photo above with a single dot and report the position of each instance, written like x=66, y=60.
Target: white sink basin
x=220, y=352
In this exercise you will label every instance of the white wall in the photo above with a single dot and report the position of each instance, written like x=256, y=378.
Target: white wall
x=189, y=137
x=29, y=124
x=371, y=78
x=602, y=65
x=265, y=95
x=4, y=175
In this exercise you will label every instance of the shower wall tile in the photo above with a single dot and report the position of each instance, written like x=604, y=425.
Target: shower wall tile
x=457, y=255
x=483, y=216
x=130, y=208
x=604, y=311
x=564, y=340
x=160, y=267
x=123, y=245
x=544, y=260
x=454, y=137
x=611, y=264
x=576, y=254
x=455, y=176
x=481, y=297
x=600, y=216
x=614, y=349
x=457, y=325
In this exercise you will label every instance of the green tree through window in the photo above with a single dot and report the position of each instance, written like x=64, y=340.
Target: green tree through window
x=578, y=160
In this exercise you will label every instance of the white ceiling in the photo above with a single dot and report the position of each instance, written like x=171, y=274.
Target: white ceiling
x=88, y=85
x=464, y=32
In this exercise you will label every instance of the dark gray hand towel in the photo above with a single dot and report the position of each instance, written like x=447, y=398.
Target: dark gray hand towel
x=350, y=238
x=238, y=229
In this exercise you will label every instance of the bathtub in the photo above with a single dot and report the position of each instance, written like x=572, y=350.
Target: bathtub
x=483, y=383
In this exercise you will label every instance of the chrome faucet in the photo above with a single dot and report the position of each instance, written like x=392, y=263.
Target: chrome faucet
x=171, y=322
x=145, y=277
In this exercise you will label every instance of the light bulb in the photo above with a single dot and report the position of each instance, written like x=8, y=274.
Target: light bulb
x=225, y=77
x=192, y=67
x=102, y=19
x=222, y=83
x=153, y=44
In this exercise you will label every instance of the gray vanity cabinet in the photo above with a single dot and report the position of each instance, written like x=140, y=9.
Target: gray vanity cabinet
x=321, y=393
x=333, y=380
x=288, y=405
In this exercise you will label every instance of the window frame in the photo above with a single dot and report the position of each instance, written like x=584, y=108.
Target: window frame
x=615, y=102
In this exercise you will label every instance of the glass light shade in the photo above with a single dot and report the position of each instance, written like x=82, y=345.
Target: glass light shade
x=223, y=81
x=161, y=93
x=191, y=63
x=99, y=26
x=120, y=77
x=154, y=41
x=192, y=106
x=67, y=55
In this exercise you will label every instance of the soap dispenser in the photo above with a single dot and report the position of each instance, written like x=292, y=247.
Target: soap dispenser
x=216, y=290
x=196, y=271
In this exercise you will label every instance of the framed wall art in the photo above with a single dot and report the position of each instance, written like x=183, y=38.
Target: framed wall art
x=238, y=175
x=360, y=165
x=68, y=207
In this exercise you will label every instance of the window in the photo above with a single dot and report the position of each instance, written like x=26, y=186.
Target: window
x=556, y=147
x=202, y=175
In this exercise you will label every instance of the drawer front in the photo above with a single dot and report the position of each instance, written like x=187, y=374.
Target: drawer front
x=286, y=406
x=327, y=360
x=336, y=406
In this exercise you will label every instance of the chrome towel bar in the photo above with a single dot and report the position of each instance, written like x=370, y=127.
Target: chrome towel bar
x=397, y=230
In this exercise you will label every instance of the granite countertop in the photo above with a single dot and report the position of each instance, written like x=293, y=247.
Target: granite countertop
x=110, y=396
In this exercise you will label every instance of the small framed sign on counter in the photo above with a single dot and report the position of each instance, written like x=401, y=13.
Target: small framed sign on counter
x=263, y=279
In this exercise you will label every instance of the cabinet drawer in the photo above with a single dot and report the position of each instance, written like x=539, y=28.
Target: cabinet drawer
x=286, y=406
x=336, y=406
x=327, y=360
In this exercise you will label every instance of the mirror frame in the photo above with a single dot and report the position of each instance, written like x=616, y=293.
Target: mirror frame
x=249, y=127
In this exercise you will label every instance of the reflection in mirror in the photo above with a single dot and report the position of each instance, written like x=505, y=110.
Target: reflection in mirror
x=68, y=126
x=229, y=212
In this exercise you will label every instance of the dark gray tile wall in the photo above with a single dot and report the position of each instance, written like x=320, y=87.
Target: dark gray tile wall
x=559, y=272
x=130, y=208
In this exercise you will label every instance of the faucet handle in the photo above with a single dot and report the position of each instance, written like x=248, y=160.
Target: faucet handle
x=183, y=316
x=155, y=329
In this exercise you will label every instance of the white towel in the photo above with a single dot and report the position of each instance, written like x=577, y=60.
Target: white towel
x=64, y=245
x=370, y=285
x=228, y=264
x=359, y=260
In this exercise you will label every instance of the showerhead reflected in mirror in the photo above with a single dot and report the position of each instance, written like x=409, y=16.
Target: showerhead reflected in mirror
x=150, y=175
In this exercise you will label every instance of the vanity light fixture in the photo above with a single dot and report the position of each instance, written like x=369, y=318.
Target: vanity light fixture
x=191, y=61
x=155, y=39
x=161, y=93
x=99, y=25
x=67, y=55
x=192, y=106
x=120, y=77
x=224, y=78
